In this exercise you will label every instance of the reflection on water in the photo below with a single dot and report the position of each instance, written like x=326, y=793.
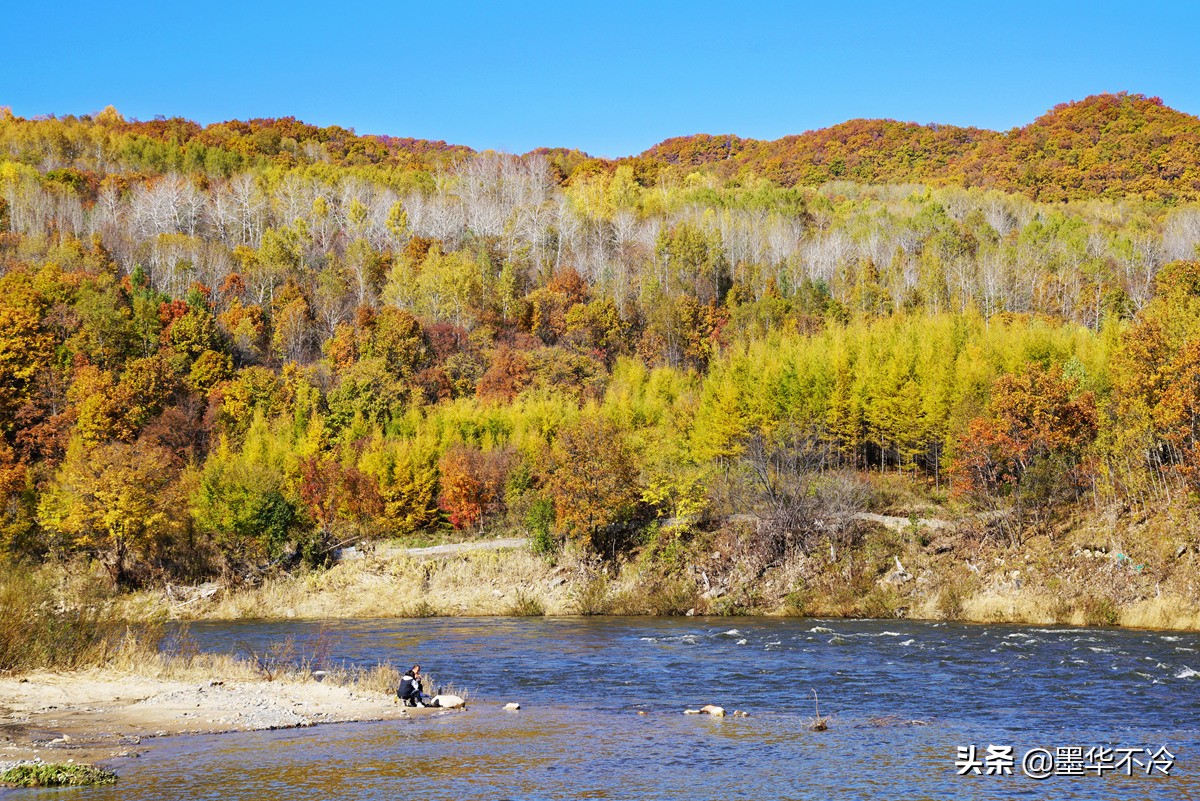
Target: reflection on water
x=581, y=682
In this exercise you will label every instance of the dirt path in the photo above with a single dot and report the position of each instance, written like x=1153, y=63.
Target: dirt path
x=903, y=523
x=454, y=549
x=462, y=547
x=887, y=521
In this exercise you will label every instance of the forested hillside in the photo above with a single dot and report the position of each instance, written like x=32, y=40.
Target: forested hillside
x=248, y=343
x=1115, y=146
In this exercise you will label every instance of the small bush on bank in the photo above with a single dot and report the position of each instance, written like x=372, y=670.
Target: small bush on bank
x=796, y=603
x=540, y=522
x=657, y=596
x=592, y=597
x=728, y=606
x=897, y=494
x=48, y=774
x=957, y=586
x=880, y=603
x=1099, y=611
x=665, y=548
x=422, y=608
x=525, y=606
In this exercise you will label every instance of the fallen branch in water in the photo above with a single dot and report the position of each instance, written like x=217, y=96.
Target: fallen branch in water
x=818, y=723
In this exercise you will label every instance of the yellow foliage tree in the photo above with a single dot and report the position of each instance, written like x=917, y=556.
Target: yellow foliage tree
x=593, y=479
x=117, y=501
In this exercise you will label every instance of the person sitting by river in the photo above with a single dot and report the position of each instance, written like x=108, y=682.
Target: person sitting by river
x=410, y=688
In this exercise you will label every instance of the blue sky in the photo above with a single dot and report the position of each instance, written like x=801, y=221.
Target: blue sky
x=611, y=78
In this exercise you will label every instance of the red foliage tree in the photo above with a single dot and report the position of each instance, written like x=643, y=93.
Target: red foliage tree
x=505, y=377
x=337, y=496
x=1027, y=452
x=472, y=483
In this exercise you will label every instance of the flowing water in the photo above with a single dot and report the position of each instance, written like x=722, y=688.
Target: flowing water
x=581, y=682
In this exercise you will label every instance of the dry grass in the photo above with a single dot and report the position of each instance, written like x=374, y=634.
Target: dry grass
x=137, y=659
x=483, y=583
x=53, y=622
x=279, y=662
x=383, y=678
x=388, y=585
x=525, y=605
x=64, y=617
x=1009, y=608
x=53, y=619
x=591, y=596
x=518, y=583
x=1162, y=612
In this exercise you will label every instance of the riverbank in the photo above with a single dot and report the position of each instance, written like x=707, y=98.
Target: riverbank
x=1095, y=570
x=101, y=715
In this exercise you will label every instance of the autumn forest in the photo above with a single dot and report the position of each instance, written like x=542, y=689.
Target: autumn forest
x=238, y=347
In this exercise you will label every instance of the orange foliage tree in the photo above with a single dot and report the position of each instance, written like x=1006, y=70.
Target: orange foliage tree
x=1177, y=414
x=472, y=483
x=341, y=501
x=594, y=480
x=1027, y=453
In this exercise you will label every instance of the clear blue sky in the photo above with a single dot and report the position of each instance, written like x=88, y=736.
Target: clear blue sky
x=610, y=78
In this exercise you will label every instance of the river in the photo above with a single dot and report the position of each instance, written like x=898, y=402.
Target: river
x=904, y=697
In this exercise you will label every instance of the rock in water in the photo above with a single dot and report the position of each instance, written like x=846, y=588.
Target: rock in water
x=714, y=710
x=513, y=707
x=448, y=701
x=691, y=711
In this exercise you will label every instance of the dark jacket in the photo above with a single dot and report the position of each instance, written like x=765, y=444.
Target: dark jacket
x=410, y=686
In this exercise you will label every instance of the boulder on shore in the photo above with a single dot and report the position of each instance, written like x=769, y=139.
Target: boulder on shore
x=448, y=701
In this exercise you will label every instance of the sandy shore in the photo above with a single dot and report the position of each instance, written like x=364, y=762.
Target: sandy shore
x=87, y=717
